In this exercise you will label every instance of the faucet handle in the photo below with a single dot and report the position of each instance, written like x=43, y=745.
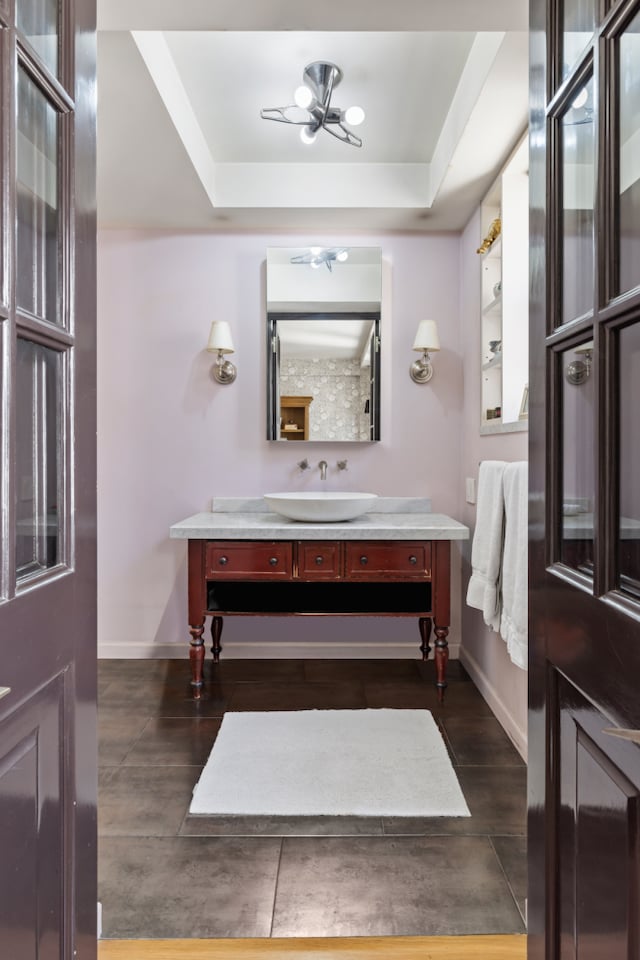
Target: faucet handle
x=304, y=464
x=342, y=464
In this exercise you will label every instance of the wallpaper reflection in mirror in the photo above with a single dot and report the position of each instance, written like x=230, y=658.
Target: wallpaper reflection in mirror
x=323, y=343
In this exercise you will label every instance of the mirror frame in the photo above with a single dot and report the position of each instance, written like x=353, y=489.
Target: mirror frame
x=273, y=398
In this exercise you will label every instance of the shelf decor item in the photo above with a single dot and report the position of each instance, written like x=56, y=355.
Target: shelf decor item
x=493, y=234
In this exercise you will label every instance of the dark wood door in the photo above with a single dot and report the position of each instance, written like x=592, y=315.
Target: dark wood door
x=47, y=481
x=584, y=419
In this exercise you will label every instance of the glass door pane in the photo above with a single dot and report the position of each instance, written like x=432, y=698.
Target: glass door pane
x=38, y=220
x=38, y=458
x=578, y=196
x=629, y=439
x=578, y=24
x=578, y=458
x=629, y=156
x=38, y=21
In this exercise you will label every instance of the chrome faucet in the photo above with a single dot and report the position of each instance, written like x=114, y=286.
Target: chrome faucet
x=323, y=469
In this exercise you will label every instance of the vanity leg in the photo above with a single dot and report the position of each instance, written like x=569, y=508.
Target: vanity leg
x=196, y=656
x=216, y=633
x=424, y=624
x=441, y=658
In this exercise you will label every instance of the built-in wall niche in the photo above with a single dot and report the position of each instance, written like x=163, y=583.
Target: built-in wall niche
x=323, y=343
x=504, y=320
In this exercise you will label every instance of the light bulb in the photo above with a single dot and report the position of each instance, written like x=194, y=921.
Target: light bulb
x=303, y=97
x=315, y=264
x=581, y=99
x=354, y=116
x=342, y=256
x=308, y=134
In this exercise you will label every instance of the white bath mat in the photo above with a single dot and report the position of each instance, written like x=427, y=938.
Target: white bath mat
x=391, y=763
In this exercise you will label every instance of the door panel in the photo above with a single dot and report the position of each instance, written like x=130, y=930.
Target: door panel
x=598, y=809
x=578, y=179
x=48, y=778
x=584, y=601
x=629, y=157
x=33, y=811
x=578, y=22
x=39, y=224
x=577, y=459
x=628, y=580
x=38, y=21
x=38, y=447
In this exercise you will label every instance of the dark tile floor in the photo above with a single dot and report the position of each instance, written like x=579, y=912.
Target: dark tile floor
x=165, y=874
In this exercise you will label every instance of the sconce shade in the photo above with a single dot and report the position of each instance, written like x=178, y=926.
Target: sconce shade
x=427, y=336
x=220, y=340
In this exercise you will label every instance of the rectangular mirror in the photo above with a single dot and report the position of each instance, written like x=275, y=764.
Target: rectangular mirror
x=323, y=343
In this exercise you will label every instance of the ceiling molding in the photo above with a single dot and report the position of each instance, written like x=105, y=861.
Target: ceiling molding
x=356, y=15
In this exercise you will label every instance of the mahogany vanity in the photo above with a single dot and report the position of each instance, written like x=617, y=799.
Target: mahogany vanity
x=252, y=563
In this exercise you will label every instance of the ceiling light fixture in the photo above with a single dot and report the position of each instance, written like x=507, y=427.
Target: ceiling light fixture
x=312, y=108
x=319, y=255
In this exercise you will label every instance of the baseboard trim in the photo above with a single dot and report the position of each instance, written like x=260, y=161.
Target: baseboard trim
x=255, y=650
x=517, y=736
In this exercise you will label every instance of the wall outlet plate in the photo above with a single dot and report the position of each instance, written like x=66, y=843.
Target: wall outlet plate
x=470, y=485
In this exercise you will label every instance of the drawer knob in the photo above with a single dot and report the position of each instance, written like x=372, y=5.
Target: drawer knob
x=364, y=560
x=273, y=561
x=319, y=560
x=413, y=560
x=223, y=560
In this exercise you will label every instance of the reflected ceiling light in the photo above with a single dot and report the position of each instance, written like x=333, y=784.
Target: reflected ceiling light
x=312, y=108
x=581, y=99
x=316, y=256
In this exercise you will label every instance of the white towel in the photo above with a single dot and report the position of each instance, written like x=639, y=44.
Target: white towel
x=483, y=591
x=513, y=625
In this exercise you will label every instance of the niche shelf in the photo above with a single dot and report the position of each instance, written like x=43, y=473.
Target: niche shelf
x=504, y=311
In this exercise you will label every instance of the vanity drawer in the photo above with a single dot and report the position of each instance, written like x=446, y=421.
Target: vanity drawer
x=319, y=561
x=256, y=560
x=383, y=561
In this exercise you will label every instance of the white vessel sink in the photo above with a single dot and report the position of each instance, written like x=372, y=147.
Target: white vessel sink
x=320, y=507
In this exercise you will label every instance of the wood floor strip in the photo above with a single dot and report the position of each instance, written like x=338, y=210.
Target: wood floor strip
x=343, y=948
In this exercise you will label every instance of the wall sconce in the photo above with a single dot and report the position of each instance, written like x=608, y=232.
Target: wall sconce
x=220, y=342
x=426, y=339
x=579, y=371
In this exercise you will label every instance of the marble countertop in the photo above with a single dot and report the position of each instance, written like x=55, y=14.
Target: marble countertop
x=251, y=523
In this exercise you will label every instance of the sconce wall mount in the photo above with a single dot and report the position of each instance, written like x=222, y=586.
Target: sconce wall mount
x=221, y=343
x=427, y=340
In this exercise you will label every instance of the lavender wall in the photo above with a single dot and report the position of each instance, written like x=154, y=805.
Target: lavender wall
x=170, y=437
x=484, y=653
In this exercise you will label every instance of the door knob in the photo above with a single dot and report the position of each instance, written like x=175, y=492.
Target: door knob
x=633, y=735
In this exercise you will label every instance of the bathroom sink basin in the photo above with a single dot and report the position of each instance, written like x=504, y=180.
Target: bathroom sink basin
x=320, y=507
